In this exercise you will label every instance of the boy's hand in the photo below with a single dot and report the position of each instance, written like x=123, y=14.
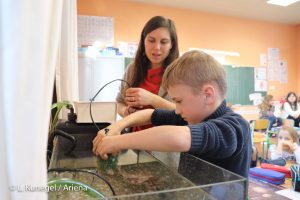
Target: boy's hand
x=113, y=129
x=97, y=140
x=107, y=144
x=138, y=97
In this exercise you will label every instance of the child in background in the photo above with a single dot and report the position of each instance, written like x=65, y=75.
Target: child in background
x=291, y=108
x=267, y=112
x=201, y=124
x=287, y=145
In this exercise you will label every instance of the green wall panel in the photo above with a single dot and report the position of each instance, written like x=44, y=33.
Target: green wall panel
x=240, y=83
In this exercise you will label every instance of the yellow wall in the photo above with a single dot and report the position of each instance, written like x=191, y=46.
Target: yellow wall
x=209, y=31
x=298, y=57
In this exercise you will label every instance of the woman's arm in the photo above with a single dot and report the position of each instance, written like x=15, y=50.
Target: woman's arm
x=159, y=102
x=137, y=97
x=136, y=119
x=122, y=108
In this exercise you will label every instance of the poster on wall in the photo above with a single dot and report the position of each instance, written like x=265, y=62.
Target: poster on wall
x=260, y=73
x=260, y=79
x=273, y=64
x=256, y=98
x=261, y=85
x=127, y=49
x=273, y=53
x=283, y=71
x=263, y=59
x=94, y=28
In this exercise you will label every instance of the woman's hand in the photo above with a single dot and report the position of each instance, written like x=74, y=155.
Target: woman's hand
x=138, y=97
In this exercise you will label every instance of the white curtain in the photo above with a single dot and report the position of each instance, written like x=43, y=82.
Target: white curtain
x=29, y=35
x=67, y=69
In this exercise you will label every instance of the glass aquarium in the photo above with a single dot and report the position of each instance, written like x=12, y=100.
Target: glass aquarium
x=79, y=174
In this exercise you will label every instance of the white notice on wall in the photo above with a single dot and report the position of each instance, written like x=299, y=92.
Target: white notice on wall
x=273, y=70
x=261, y=85
x=128, y=49
x=260, y=73
x=256, y=98
x=273, y=64
x=273, y=53
x=283, y=71
x=263, y=59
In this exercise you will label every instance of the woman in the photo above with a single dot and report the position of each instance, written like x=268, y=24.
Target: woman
x=158, y=47
x=291, y=108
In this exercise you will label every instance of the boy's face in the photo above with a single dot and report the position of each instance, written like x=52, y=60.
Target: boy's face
x=190, y=105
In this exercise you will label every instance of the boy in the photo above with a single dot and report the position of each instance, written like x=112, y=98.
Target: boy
x=201, y=124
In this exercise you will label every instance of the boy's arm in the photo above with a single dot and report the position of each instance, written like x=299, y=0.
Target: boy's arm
x=220, y=138
x=162, y=138
x=135, y=119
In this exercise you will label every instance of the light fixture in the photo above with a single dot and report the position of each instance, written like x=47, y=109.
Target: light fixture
x=220, y=56
x=217, y=52
x=282, y=2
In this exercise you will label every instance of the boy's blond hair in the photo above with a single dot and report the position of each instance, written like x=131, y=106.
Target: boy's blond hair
x=195, y=68
x=292, y=132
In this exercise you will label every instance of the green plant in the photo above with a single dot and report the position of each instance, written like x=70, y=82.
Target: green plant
x=58, y=106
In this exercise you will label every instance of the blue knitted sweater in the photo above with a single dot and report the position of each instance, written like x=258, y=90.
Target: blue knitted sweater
x=223, y=138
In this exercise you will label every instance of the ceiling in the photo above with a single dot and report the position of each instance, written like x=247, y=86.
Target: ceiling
x=250, y=9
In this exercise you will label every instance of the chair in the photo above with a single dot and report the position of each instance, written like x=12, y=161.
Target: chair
x=260, y=132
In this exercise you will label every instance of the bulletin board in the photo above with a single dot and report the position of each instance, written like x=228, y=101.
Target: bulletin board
x=95, y=28
x=240, y=83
